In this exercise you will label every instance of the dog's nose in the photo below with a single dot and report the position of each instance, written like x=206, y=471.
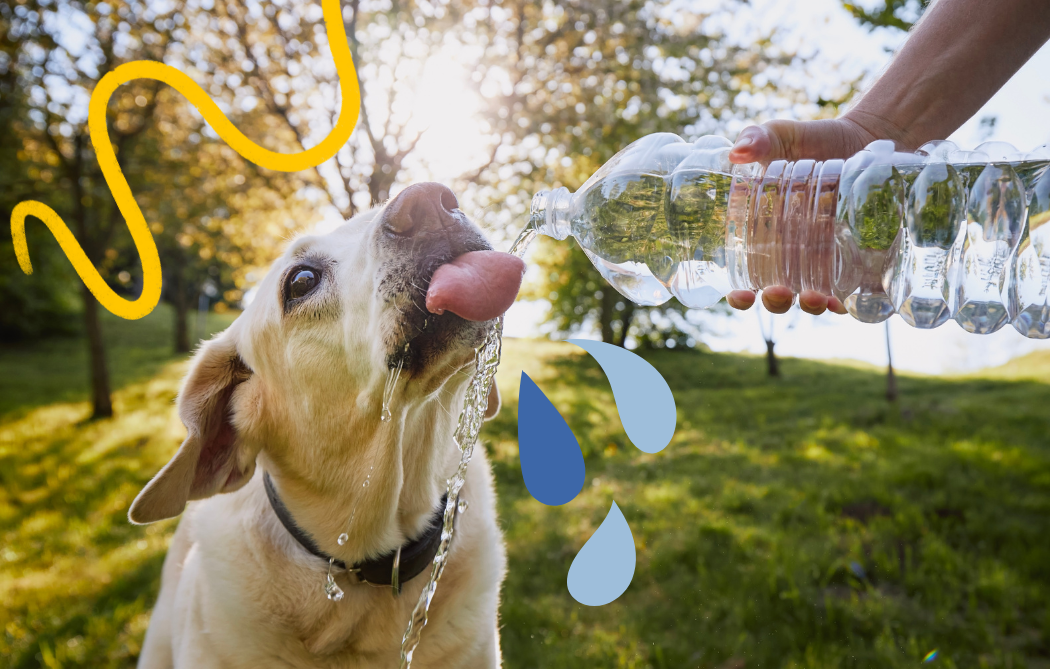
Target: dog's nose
x=420, y=207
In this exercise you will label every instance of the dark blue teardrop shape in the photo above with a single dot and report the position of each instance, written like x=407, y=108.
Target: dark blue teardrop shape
x=550, y=455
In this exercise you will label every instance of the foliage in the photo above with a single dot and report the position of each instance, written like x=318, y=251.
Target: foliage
x=747, y=526
x=56, y=52
x=899, y=14
x=576, y=292
x=570, y=84
x=42, y=304
x=272, y=59
x=213, y=216
x=876, y=207
x=228, y=219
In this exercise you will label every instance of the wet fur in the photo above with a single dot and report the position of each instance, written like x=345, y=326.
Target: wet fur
x=295, y=389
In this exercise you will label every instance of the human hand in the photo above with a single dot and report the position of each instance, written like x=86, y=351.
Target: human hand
x=796, y=140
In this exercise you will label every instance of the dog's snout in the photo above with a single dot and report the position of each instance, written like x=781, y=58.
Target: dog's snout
x=420, y=207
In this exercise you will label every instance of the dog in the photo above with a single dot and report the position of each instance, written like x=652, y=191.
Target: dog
x=291, y=470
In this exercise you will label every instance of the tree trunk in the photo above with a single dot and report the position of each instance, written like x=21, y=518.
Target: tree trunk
x=891, y=378
x=606, y=318
x=101, y=404
x=182, y=331
x=625, y=319
x=771, y=359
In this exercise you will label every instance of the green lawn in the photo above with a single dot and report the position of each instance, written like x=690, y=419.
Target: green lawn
x=747, y=526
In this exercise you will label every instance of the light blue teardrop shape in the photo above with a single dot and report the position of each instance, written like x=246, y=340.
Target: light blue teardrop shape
x=604, y=567
x=643, y=398
x=551, y=459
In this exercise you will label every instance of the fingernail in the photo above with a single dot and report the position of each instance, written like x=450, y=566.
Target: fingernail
x=743, y=142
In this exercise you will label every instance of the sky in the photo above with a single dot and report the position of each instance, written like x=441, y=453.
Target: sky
x=1021, y=109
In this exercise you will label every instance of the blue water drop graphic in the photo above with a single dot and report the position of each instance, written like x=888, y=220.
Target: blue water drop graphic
x=551, y=459
x=604, y=567
x=643, y=398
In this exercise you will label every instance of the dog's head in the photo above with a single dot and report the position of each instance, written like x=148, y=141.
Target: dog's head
x=302, y=371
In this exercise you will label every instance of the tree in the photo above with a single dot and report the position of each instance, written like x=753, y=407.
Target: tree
x=577, y=293
x=902, y=15
x=229, y=217
x=272, y=58
x=569, y=84
x=772, y=364
x=899, y=14
x=211, y=214
x=44, y=304
x=60, y=66
x=891, y=378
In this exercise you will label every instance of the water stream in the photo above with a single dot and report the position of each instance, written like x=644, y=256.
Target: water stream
x=486, y=360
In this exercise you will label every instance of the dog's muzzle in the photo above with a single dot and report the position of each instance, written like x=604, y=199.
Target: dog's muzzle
x=446, y=268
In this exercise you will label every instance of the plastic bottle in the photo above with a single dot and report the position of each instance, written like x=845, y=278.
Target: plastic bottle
x=933, y=235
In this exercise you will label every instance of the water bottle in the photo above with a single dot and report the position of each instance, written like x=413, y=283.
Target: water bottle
x=933, y=235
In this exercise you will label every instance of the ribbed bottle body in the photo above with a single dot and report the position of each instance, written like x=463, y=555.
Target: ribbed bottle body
x=933, y=235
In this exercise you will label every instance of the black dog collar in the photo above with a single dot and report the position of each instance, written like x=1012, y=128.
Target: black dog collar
x=394, y=568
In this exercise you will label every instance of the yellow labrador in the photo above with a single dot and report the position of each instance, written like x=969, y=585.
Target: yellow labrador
x=283, y=417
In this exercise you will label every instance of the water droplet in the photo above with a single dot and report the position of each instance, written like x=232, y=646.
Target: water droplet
x=931, y=656
x=388, y=389
x=342, y=539
x=604, y=567
x=643, y=398
x=334, y=592
x=550, y=455
x=365, y=484
x=462, y=506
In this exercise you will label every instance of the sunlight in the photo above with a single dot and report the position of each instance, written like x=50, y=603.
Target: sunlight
x=447, y=107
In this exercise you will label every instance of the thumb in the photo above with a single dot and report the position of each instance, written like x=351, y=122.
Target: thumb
x=755, y=144
x=794, y=140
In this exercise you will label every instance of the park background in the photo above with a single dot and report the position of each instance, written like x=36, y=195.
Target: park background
x=820, y=517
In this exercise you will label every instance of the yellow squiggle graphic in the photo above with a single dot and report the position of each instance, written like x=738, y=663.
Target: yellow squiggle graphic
x=118, y=185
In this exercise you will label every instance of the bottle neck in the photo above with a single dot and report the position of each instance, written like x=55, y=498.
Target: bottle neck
x=549, y=213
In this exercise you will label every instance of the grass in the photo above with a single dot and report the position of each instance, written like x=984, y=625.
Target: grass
x=795, y=522
x=76, y=579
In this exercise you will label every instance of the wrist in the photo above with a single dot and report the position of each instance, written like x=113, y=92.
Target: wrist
x=868, y=126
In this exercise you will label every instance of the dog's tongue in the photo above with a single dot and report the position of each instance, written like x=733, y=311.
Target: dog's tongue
x=478, y=286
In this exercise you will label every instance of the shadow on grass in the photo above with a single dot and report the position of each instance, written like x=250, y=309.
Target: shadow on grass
x=793, y=522
x=99, y=629
x=56, y=370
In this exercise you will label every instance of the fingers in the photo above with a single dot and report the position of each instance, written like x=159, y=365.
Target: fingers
x=741, y=299
x=835, y=305
x=778, y=300
x=812, y=302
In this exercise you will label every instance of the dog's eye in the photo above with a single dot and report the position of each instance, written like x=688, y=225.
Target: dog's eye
x=301, y=282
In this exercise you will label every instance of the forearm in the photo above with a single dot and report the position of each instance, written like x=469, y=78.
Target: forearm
x=957, y=57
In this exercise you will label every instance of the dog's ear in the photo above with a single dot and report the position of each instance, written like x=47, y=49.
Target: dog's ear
x=494, y=402
x=211, y=459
